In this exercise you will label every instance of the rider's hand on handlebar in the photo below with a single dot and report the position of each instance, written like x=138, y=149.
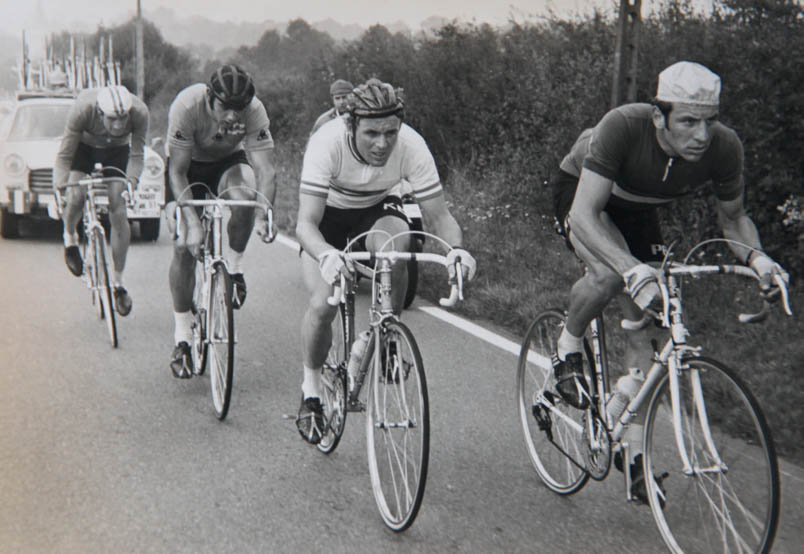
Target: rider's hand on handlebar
x=265, y=225
x=191, y=235
x=332, y=264
x=641, y=282
x=766, y=268
x=468, y=263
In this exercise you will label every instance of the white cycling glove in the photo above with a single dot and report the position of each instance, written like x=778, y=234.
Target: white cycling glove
x=468, y=263
x=331, y=264
x=766, y=268
x=641, y=284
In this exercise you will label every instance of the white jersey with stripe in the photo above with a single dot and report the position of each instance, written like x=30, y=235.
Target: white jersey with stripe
x=331, y=170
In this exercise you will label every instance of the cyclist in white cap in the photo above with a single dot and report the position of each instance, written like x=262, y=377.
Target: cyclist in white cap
x=638, y=157
x=339, y=90
x=106, y=126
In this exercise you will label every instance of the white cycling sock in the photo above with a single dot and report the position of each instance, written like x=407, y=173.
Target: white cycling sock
x=117, y=278
x=311, y=386
x=567, y=344
x=70, y=239
x=183, y=331
x=236, y=262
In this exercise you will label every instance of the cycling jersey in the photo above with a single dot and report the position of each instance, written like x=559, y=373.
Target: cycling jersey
x=623, y=147
x=191, y=127
x=85, y=126
x=332, y=170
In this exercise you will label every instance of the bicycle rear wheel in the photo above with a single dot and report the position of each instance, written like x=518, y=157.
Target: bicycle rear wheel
x=221, y=340
x=334, y=386
x=103, y=286
x=201, y=302
x=398, y=426
x=728, y=507
x=552, y=428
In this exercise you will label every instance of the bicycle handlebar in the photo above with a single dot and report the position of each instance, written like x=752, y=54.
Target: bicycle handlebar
x=456, y=288
x=223, y=202
x=94, y=181
x=694, y=270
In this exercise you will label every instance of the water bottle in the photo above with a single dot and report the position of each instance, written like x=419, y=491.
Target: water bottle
x=626, y=389
x=356, y=357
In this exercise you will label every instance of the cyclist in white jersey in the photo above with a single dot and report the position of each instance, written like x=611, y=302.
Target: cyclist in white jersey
x=339, y=90
x=350, y=183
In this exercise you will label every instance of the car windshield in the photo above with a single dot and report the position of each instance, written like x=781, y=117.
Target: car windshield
x=38, y=122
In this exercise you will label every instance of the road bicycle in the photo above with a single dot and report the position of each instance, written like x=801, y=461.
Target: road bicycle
x=709, y=460
x=213, y=309
x=94, y=252
x=396, y=403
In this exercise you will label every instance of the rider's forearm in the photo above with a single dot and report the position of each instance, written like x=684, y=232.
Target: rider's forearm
x=311, y=239
x=446, y=228
x=743, y=230
x=178, y=184
x=603, y=240
x=266, y=183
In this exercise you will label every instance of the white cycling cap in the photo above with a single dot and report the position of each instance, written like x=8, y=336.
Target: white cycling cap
x=689, y=83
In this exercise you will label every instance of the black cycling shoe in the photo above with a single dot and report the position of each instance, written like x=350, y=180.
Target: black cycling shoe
x=181, y=361
x=310, y=421
x=72, y=257
x=122, y=301
x=639, y=491
x=570, y=381
x=391, y=371
x=239, y=284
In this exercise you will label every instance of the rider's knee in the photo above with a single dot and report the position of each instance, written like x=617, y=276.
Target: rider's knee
x=320, y=310
x=608, y=283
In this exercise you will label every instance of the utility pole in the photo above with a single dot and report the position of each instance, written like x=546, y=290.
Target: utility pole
x=625, y=53
x=140, y=54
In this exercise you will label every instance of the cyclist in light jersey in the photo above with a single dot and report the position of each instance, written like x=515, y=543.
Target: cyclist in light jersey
x=350, y=183
x=638, y=157
x=339, y=91
x=107, y=126
x=218, y=134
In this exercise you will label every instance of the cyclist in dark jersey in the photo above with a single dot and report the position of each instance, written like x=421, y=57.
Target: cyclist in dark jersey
x=638, y=157
x=339, y=90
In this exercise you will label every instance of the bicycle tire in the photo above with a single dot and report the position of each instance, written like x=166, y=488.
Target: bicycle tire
x=394, y=418
x=711, y=511
x=104, y=286
x=335, y=388
x=201, y=305
x=221, y=340
x=548, y=439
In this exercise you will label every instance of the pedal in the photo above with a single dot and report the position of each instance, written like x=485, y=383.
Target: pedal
x=542, y=417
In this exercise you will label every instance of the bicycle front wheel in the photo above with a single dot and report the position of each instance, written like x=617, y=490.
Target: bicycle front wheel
x=103, y=286
x=199, y=310
x=220, y=332
x=728, y=500
x=333, y=380
x=398, y=426
x=553, y=429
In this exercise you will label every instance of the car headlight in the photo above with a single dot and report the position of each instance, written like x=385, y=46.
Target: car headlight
x=154, y=167
x=14, y=165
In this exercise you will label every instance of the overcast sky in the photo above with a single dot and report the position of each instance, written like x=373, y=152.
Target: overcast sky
x=18, y=14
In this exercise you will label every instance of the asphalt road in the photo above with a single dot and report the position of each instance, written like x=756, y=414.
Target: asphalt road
x=102, y=450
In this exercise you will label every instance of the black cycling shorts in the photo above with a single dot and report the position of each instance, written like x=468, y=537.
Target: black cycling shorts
x=208, y=173
x=339, y=225
x=87, y=156
x=640, y=228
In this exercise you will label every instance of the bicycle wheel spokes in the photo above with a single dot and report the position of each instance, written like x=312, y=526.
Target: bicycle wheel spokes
x=103, y=286
x=398, y=427
x=221, y=340
x=552, y=428
x=200, y=307
x=334, y=389
x=730, y=501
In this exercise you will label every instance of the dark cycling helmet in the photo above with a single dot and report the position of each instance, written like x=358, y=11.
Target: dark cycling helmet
x=232, y=86
x=376, y=99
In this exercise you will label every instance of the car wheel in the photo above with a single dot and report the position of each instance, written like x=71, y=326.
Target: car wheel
x=149, y=229
x=9, y=224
